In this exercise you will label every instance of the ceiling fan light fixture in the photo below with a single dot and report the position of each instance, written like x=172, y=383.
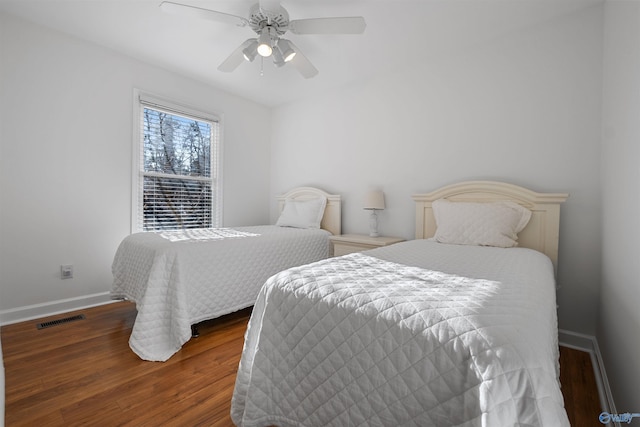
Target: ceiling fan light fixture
x=285, y=49
x=278, y=60
x=250, y=51
x=264, y=43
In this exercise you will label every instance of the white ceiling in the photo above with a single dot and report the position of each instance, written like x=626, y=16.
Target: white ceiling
x=398, y=33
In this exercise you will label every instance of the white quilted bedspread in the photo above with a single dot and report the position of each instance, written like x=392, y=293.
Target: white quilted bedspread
x=368, y=341
x=181, y=278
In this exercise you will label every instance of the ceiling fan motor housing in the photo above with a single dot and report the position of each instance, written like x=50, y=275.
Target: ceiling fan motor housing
x=277, y=21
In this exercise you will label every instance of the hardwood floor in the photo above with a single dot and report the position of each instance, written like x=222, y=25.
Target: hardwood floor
x=579, y=388
x=83, y=373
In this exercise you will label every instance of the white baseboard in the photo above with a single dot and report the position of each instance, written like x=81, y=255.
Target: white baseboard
x=589, y=344
x=37, y=311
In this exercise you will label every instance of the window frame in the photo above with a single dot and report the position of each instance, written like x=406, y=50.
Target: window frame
x=141, y=100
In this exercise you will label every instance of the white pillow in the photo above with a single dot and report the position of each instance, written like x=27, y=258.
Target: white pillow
x=482, y=224
x=302, y=213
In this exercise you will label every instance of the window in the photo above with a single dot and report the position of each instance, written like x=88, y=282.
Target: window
x=177, y=168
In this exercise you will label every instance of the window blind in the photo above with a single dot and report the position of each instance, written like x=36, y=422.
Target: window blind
x=177, y=168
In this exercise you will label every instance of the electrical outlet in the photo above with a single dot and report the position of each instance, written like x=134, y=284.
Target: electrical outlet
x=66, y=271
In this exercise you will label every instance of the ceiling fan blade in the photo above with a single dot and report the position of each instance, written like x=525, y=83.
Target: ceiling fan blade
x=344, y=25
x=236, y=58
x=302, y=64
x=212, y=15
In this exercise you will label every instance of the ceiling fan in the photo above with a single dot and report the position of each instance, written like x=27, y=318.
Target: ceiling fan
x=270, y=21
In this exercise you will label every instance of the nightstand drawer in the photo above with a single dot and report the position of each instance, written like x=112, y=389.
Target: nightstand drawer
x=348, y=243
x=342, y=248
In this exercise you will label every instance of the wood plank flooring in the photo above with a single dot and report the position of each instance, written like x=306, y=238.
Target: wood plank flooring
x=579, y=388
x=83, y=373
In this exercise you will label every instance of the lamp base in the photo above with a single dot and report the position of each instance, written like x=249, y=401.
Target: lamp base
x=373, y=224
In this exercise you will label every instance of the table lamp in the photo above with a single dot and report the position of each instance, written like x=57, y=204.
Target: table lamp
x=374, y=201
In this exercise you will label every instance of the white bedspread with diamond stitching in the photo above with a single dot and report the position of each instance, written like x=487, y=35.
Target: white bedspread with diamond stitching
x=366, y=341
x=178, y=279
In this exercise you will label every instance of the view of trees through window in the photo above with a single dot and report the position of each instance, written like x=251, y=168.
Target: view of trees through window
x=176, y=169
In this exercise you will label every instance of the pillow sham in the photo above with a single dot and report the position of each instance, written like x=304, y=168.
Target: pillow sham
x=302, y=213
x=480, y=224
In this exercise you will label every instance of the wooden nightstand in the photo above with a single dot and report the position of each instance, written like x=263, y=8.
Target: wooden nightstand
x=348, y=243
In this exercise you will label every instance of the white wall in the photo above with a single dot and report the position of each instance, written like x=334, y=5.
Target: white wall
x=523, y=109
x=65, y=162
x=619, y=322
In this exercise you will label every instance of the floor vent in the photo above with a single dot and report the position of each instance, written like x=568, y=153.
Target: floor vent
x=60, y=321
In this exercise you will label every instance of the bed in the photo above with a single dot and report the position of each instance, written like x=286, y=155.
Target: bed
x=180, y=278
x=435, y=331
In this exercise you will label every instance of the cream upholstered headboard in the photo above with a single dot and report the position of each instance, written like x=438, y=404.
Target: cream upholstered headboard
x=542, y=231
x=332, y=218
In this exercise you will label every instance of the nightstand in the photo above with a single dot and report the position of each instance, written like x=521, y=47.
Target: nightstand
x=348, y=243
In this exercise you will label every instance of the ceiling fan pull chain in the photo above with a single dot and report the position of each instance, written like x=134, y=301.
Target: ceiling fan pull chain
x=261, y=66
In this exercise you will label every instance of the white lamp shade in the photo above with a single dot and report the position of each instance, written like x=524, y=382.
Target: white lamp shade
x=278, y=60
x=264, y=43
x=285, y=49
x=374, y=200
x=250, y=51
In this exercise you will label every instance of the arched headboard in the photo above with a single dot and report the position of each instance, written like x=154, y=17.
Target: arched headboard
x=542, y=231
x=332, y=219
